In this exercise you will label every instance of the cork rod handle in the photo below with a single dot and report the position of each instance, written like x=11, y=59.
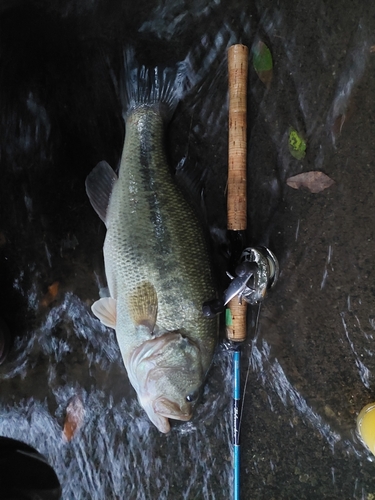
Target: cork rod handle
x=237, y=147
x=237, y=179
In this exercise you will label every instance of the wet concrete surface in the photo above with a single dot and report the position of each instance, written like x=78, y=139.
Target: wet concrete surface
x=310, y=356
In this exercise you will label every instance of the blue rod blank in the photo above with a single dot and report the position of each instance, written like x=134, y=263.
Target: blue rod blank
x=236, y=424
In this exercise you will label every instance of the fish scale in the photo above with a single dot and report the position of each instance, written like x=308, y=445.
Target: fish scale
x=158, y=268
x=159, y=238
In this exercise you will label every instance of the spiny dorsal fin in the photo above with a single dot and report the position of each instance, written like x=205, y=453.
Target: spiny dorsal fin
x=105, y=309
x=99, y=185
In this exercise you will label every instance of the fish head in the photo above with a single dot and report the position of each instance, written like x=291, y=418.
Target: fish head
x=167, y=374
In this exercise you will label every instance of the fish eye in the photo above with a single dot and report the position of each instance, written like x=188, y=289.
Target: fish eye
x=192, y=397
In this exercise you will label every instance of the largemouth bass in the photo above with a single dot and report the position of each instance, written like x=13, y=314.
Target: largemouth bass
x=156, y=260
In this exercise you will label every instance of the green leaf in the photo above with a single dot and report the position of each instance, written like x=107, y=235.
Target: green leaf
x=262, y=62
x=296, y=143
x=262, y=58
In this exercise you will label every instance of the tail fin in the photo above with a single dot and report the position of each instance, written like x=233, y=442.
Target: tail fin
x=160, y=88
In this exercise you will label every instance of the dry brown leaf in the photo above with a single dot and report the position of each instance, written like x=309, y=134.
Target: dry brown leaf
x=50, y=296
x=314, y=181
x=74, y=417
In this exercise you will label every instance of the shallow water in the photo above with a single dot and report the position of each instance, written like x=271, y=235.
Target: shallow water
x=309, y=361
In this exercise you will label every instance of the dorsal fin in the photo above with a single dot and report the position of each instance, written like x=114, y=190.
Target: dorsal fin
x=99, y=185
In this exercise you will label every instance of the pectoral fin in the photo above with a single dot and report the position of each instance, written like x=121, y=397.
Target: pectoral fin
x=99, y=185
x=143, y=305
x=105, y=310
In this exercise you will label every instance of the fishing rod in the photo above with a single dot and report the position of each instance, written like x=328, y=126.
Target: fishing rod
x=236, y=313
x=256, y=268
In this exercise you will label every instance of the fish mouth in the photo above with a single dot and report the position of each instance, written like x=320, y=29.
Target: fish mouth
x=161, y=410
x=169, y=409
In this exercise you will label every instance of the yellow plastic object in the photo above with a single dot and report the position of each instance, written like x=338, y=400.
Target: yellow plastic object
x=366, y=426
